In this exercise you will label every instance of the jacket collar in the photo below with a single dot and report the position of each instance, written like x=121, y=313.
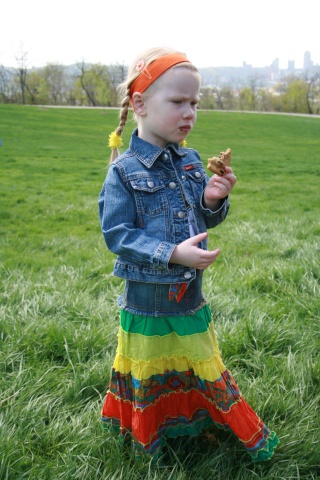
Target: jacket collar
x=147, y=153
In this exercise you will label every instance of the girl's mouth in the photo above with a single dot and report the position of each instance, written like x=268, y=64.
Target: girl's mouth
x=185, y=128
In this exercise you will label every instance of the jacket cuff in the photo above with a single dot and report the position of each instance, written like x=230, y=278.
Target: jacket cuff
x=221, y=212
x=163, y=254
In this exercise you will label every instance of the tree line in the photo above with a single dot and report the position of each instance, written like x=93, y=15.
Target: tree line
x=96, y=85
x=293, y=93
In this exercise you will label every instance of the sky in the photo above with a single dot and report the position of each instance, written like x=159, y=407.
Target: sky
x=211, y=33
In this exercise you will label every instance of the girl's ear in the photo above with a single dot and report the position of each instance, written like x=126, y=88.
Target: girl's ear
x=138, y=104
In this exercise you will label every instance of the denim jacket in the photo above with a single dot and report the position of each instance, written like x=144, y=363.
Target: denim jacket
x=143, y=206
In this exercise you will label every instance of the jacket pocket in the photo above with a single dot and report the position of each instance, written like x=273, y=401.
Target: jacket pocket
x=197, y=182
x=150, y=195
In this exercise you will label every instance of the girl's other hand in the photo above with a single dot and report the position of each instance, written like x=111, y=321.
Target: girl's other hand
x=189, y=255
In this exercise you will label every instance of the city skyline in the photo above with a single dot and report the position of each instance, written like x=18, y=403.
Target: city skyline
x=211, y=34
x=307, y=63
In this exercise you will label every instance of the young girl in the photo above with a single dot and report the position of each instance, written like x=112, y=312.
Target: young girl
x=156, y=204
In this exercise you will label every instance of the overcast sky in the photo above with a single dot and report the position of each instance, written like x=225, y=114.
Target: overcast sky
x=211, y=33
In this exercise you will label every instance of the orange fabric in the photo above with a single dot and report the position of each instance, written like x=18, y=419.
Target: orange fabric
x=244, y=422
x=150, y=73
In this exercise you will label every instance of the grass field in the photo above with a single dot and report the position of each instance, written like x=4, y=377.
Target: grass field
x=58, y=314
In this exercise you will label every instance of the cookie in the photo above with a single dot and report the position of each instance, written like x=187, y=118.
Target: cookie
x=217, y=164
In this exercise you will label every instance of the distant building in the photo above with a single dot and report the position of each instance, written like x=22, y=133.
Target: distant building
x=307, y=62
x=291, y=66
x=275, y=65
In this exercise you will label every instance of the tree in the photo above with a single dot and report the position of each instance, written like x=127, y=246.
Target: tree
x=265, y=100
x=295, y=99
x=54, y=76
x=4, y=85
x=312, y=80
x=227, y=98
x=37, y=88
x=314, y=93
x=207, y=100
x=246, y=99
x=33, y=87
x=217, y=92
x=95, y=83
x=294, y=95
x=117, y=75
x=21, y=72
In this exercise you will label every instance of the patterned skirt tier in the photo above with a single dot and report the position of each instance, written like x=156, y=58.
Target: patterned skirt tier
x=168, y=379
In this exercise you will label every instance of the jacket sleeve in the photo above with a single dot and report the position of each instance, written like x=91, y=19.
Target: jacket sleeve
x=118, y=220
x=214, y=218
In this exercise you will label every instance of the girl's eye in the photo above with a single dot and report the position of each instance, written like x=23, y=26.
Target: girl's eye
x=179, y=102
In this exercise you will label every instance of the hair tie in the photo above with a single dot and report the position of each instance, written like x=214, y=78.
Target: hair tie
x=115, y=140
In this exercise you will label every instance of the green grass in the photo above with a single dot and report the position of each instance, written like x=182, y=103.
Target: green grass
x=58, y=314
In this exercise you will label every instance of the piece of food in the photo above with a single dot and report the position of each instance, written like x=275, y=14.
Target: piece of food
x=217, y=164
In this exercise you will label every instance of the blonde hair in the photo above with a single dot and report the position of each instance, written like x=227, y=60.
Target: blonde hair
x=147, y=57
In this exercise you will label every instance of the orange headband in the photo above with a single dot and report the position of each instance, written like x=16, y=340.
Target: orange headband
x=149, y=74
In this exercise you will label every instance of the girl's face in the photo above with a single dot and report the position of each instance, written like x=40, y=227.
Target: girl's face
x=169, y=107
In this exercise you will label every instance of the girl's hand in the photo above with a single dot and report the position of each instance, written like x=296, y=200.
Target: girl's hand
x=218, y=188
x=189, y=255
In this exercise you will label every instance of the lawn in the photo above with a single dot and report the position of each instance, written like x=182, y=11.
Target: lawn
x=58, y=313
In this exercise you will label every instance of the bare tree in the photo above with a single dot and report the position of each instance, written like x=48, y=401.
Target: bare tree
x=228, y=97
x=217, y=91
x=21, y=72
x=86, y=85
x=4, y=85
x=95, y=82
x=55, y=79
x=207, y=98
x=312, y=80
x=117, y=74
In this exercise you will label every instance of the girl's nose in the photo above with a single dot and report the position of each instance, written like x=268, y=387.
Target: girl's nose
x=189, y=112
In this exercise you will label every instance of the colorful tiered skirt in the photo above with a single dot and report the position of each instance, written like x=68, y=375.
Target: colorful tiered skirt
x=168, y=379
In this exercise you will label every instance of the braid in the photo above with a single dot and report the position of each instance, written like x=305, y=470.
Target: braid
x=124, y=112
x=123, y=119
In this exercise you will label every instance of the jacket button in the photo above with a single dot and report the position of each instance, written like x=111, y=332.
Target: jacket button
x=172, y=185
x=150, y=184
x=198, y=174
x=187, y=275
x=181, y=214
x=183, y=177
x=165, y=157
